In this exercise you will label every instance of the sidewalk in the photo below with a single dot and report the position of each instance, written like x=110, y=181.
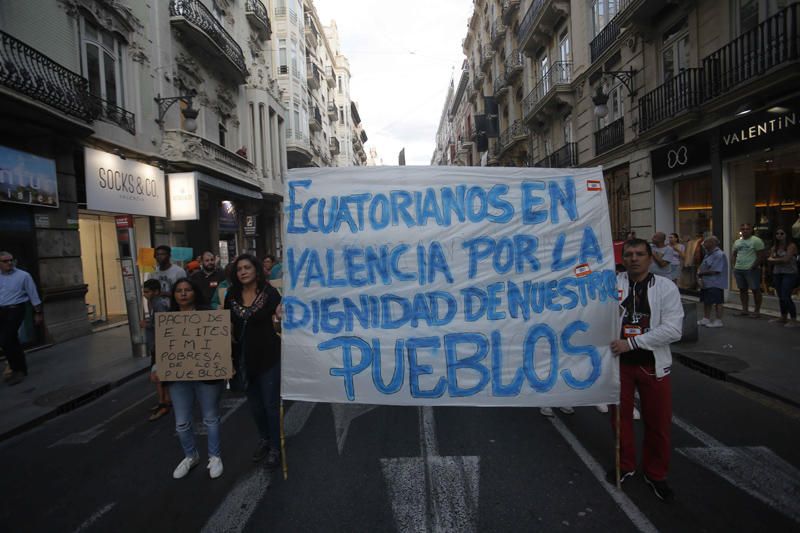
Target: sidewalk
x=751, y=352
x=66, y=376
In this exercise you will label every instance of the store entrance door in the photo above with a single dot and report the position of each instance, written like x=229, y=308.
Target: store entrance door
x=105, y=299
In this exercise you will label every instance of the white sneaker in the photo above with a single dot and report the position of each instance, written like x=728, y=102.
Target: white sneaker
x=546, y=411
x=184, y=466
x=567, y=410
x=714, y=324
x=703, y=322
x=214, y=467
x=603, y=408
x=636, y=414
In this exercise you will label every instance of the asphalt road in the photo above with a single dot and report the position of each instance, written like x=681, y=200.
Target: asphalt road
x=363, y=468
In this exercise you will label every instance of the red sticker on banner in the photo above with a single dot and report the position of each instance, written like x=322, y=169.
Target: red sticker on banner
x=593, y=185
x=583, y=270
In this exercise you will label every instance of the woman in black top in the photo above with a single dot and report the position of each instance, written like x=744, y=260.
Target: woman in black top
x=257, y=348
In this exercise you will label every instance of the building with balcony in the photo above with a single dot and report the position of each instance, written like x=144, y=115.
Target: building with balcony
x=690, y=108
x=110, y=102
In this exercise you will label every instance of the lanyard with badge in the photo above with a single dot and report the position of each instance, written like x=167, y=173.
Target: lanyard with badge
x=632, y=329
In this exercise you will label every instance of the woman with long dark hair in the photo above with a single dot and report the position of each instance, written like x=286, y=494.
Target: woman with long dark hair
x=253, y=303
x=187, y=296
x=782, y=257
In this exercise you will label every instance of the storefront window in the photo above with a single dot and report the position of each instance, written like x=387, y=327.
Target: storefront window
x=693, y=223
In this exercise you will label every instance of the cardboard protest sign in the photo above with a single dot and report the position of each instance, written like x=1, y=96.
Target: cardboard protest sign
x=193, y=345
x=449, y=286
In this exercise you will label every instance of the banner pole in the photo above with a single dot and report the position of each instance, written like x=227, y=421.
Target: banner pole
x=283, y=448
x=618, y=454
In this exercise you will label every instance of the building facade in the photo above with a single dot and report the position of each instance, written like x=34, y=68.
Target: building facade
x=689, y=107
x=103, y=103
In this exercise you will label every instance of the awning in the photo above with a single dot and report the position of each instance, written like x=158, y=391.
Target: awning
x=225, y=186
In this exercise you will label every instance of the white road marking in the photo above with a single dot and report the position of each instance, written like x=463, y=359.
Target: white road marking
x=93, y=432
x=296, y=417
x=756, y=470
x=95, y=517
x=636, y=516
x=433, y=493
x=343, y=416
x=236, y=509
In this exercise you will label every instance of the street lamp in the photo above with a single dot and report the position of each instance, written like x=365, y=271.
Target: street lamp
x=189, y=113
x=600, y=98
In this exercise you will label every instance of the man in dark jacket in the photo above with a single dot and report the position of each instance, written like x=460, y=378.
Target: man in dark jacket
x=208, y=277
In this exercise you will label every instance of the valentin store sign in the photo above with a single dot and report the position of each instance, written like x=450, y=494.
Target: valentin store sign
x=123, y=186
x=449, y=286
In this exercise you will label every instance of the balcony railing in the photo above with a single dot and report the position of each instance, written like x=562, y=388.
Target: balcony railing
x=517, y=131
x=514, y=64
x=334, y=146
x=258, y=16
x=607, y=36
x=312, y=34
x=564, y=157
x=113, y=113
x=330, y=77
x=559, y=74
x=35, y=75
x=773, y=42
x=315, y=119
x=530, y=17
x=673, y=97
x=363, y=136
x=313, y=76
x=500, y=85
x=498, y=33
x=198, y=16
x=333, y=113
x=609, y=137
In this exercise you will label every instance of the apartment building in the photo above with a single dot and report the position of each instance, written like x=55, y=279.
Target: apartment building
x=315, y=79
x=122, y=113
x=690, y=107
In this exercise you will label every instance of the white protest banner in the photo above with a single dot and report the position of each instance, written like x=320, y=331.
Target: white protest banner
x=193, y=345
x=449, y=286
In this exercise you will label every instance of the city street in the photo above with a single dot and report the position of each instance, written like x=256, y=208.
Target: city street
x=103, y=467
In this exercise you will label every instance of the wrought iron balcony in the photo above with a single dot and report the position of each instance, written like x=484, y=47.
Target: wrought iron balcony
x=773, y=43
x=564, y=157
x=183, y=147
x=537, y=26
x=363, y=136
x=603, y=40
x=30, y=72
x=312, y=34
x=334, y=146
x=201, y=26
x=498, y=34
x=500, y=85
x=557, y=78
x=312, y=75
x=315, y=119
x=513, y=134
x=514, y=64
x=105, y=110
x=672, y=98
x=333, y=113
x=259, y=18
x=509, y=8
x=609, y=137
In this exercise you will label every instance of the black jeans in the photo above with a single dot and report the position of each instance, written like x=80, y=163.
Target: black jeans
x=10, y=320
x=264, y=398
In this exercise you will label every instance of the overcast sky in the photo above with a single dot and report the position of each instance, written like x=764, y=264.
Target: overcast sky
x=402, y=56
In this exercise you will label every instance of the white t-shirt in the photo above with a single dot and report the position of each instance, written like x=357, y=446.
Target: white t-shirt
x=167, y=278
x=668, y=255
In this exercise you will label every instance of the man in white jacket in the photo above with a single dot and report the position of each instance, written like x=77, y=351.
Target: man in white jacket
x=652, y=319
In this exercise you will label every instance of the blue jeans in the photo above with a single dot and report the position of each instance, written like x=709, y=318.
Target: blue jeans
x=264, y=399
x=183, y=394
x=784, y=285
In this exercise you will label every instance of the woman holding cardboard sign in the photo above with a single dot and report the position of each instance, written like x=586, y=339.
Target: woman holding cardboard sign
x=257, y=350
x=187, y=296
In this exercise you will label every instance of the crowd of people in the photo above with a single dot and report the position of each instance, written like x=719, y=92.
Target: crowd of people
x=244, y=289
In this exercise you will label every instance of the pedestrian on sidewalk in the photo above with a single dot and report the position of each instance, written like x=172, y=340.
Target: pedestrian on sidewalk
x=652, y=319
x=747, y=257
x=16, y=290
x=678, y=256
x=166, y=273
x=156, y=303
x=187, y=296
x=208, y=278
x=713, y=278
x=783, y=258
x=257, y=350
x=662, y=255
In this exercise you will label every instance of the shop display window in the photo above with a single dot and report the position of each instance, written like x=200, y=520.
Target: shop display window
x=693, y=222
